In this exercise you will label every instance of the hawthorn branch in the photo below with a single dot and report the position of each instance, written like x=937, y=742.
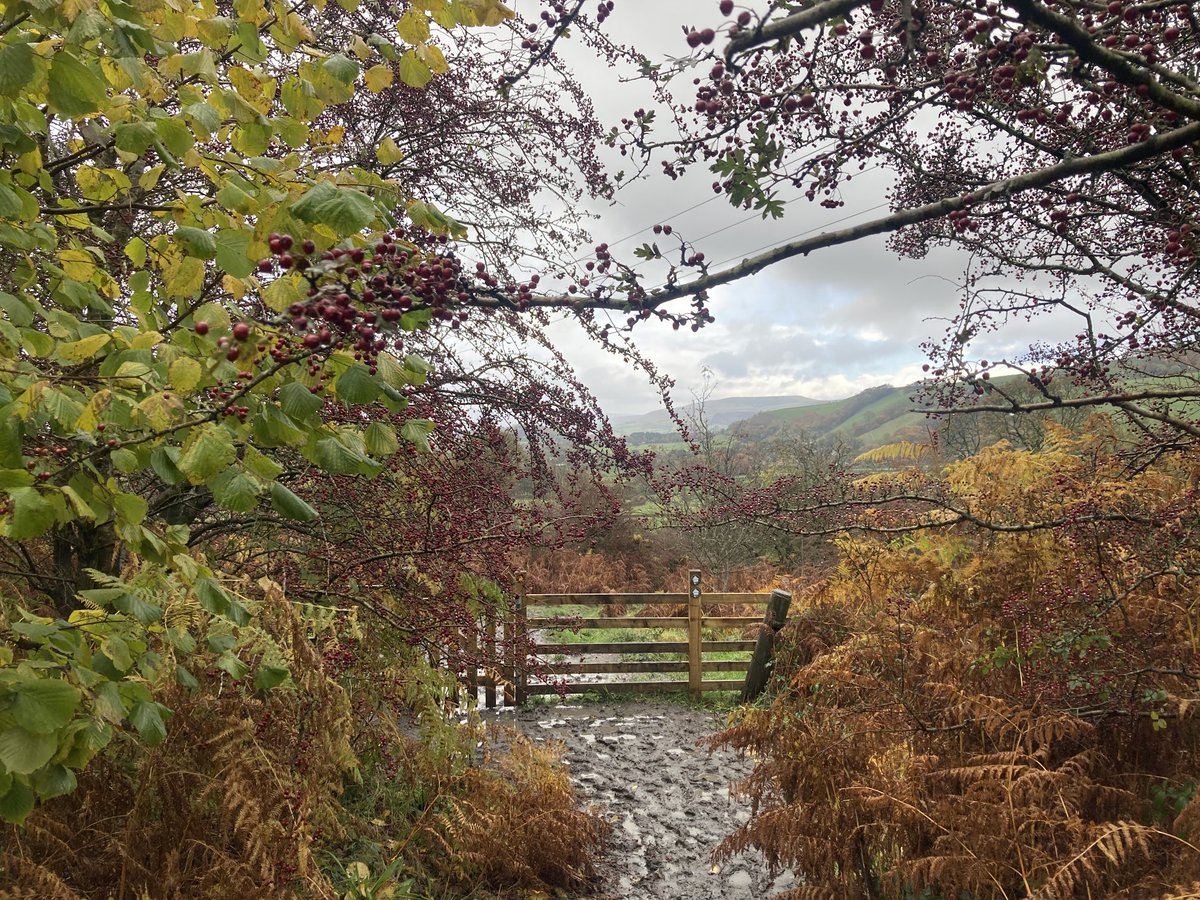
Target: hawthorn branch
x=1039, y=178
x=789, y=26
x=1016, y=406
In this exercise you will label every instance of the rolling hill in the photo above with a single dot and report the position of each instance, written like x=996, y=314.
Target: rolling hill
x=719, y=413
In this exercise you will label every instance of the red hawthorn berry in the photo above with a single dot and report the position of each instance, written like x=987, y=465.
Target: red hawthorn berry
x=241, y=331
x=726, y=7
x=201, y=328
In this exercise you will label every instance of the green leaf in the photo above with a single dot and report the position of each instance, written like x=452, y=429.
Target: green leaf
x=75, y=89
x=357, y=385
x=16, y=804
x=289, y=505
x=43, y=705
x=125, y=460
x=228, y=662
x=197, y=242
x=117, y=650
x=208, y=450
x=30, y=513
x=413, y=71
x=135, y=137
x=162, y=461
x=16, y=68
x=234, y=490
x=219, y=643
x=211, y=596
x=175, y=135
x=23, y=752
x=130, y=508
x=342, y=67
x=298, y=401
x=147, y=717
x=335, y=457
x=269, y=677
x=186, y=679
x=19, y=311
x=54, y=781
x=381, y=440
x=134, y=606
x=261, y=464
x=416, y=432
x=232, y=248
x=344, y=210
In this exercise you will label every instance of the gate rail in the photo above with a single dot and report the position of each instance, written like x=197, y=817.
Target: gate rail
x=690, y=651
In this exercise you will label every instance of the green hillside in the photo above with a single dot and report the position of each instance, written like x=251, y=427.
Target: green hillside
x=877, y=415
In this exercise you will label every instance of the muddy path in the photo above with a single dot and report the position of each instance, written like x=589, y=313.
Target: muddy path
x=667, y=799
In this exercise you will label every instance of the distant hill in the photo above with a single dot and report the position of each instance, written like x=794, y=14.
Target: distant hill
x=876, y=416
x=719, y=413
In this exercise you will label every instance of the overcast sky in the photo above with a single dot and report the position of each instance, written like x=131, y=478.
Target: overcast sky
x=825, y=326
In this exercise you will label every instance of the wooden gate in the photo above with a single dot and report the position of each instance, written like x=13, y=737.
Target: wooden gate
x=533, y=615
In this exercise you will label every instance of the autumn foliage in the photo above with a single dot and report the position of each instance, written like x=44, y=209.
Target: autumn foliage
x=1004, y=709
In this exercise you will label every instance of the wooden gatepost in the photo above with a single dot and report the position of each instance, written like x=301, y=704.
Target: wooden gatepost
x=764, y=650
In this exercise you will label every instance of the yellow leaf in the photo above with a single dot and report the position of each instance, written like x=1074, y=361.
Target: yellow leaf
x=183, y=276
x=78, y=264
x=485, y=12
x=378, y=77
x=282, y=293
x=30, y=163
x=30, y=399
x=150, y=177
x=146, y=340
x=162, y=410
x=360, y=48
x=413, y=27
x=136, y=251
x=432, y=56
x=185, y=374
x=235, y=287
x=82, y=508
x=388, y=152
x=297, y=27
x=86, y=348
x=95, y=408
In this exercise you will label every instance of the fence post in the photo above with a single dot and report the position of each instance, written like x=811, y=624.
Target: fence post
x=521, y=674
x=510, y=647
x=760, y=663
x=493, y=660
x=472, y=654
x=695, y=668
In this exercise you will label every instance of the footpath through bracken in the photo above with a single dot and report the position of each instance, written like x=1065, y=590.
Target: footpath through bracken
x=666, y=798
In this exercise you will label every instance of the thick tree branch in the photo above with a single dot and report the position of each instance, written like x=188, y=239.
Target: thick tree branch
x=1039, y=178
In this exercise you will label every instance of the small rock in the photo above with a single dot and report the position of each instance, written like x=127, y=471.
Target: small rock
x=739, y=880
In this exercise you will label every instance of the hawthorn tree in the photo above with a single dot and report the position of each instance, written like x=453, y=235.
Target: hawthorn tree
x=213, y=295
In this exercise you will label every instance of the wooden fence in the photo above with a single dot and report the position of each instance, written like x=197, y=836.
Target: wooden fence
x=526, y=629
